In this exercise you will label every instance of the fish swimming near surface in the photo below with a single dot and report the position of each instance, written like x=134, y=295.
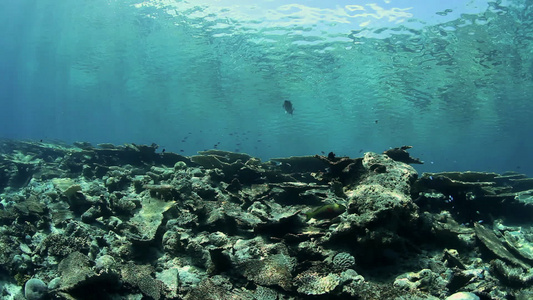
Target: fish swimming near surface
x=287, y=105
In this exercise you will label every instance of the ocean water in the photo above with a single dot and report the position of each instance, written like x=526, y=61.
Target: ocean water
x=451, y=78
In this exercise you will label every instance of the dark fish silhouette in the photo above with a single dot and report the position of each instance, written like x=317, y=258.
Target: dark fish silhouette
x=287, y=105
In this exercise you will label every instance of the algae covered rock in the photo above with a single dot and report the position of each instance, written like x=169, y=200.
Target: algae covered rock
x=215, y=288
x=273, y=270
x=105, y=263
x=139, y=276
x=463, y=296
x=496, y=246
x=521, y=241
x=525, y=197
x=144, y=224
x=75, y=269
x=35, y=289
x=513, y=275
x=77, y=277
x=378, y=207
x=415, y=280
x=311, y=283
x=61, y=245
x=66, y=186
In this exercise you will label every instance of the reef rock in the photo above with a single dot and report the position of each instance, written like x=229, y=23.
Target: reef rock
x=125, y=222
x=379, y=207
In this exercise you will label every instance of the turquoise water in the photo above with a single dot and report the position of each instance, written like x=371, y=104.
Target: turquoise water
x=454, y=80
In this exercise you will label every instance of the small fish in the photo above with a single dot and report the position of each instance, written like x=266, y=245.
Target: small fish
x=327, y=211
x=287, y=105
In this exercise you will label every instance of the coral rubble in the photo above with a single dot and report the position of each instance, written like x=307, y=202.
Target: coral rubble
x=125, y=222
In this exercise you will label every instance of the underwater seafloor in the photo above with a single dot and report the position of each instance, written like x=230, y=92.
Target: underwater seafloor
x=127, y=222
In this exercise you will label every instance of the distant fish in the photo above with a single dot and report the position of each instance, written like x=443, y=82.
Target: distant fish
x=287, y=105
